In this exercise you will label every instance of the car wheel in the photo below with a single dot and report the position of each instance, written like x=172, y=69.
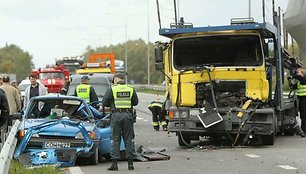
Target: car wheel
x=94, y=158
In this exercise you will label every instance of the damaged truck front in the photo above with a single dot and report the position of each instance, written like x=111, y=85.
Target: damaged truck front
x=226, y=82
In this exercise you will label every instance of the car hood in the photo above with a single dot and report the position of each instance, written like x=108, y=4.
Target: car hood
x=56, y=130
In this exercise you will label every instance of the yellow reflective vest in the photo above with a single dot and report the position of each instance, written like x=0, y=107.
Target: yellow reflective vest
x=122, y=96
x=301, y=89
x=83, y=91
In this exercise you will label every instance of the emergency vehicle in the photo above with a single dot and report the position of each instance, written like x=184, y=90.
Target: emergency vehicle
x=53, y=77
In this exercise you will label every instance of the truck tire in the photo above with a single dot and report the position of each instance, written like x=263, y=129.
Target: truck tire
x=268, y=139
x=94, y=158
x=186, y=139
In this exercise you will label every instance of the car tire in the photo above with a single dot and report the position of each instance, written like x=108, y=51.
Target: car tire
x=94, y=158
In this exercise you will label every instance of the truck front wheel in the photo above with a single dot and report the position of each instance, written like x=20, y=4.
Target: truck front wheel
x=186, y=138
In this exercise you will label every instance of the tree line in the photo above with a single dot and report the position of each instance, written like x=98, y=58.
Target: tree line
x=14, y=60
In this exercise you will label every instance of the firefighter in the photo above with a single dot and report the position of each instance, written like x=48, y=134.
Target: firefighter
x=158, y=115
x=121, y=98
x=86, y=91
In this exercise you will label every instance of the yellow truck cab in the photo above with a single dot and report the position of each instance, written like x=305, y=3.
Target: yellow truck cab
x=226, y=82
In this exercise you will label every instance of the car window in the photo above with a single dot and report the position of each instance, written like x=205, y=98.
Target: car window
x=51, y=75
x=55, y=108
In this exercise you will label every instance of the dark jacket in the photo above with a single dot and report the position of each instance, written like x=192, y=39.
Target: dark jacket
x=4, y=107
x=301, y=79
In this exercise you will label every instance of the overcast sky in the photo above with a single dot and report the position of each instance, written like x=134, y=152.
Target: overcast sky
x=57, y=28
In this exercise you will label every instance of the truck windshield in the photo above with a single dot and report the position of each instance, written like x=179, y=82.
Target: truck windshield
x=51, y=75
x=221, y=50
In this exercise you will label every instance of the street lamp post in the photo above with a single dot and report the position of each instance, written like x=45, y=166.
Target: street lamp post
x=126, y=49
x=148, y=56
x=125, y=59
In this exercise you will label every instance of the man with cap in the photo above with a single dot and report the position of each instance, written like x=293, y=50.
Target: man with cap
x=12, y=95
x=86, y=91
x=121, y=98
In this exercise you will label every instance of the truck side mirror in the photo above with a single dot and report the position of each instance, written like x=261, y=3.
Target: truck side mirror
x=159, y=64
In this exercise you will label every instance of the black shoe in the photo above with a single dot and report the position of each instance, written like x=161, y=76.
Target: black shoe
x=302, y=135
x=156, y=128
x=114, y=166
x=130, y=165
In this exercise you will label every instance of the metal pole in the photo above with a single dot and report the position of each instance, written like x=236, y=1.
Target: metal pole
x=158, y=14
x=110, y=39
x=175, y=16
x=148, y=56
x=263, y=11
x=125, y=61
x=249, y=8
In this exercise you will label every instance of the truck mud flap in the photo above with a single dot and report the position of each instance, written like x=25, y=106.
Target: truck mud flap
x=210, y=118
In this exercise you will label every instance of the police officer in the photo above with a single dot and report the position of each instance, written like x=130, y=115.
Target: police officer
x=121, y=98
x=300, y=75
x=5, y=110
x=86, y=91
x=157, y=115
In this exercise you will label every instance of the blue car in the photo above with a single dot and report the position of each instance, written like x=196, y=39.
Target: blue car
x=58, y=129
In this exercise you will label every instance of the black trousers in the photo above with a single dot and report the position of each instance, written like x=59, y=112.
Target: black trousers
x=302, y=109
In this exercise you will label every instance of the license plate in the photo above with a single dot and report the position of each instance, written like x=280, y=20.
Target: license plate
x=56, y=145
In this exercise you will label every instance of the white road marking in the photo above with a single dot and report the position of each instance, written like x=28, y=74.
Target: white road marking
x=252, y=155
x=76, y=170
x=287, y=167
x=145, y=120
x=139, y=118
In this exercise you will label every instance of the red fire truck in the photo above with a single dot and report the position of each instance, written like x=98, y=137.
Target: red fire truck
x=53, y=77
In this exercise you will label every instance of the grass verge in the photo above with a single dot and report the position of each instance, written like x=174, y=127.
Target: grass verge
x=17, y=168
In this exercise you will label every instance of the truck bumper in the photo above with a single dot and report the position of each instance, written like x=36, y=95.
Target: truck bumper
x=263, y=120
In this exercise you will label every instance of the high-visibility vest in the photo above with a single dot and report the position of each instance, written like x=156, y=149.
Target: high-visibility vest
x=156, y=103
x=301, y=89
x=83, y=91
x=122, y=96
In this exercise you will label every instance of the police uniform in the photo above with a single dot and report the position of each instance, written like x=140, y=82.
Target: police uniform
x=121, y=98
x=157, y=115
x=86, y=91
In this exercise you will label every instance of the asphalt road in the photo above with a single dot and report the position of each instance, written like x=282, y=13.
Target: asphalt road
x=286, y=156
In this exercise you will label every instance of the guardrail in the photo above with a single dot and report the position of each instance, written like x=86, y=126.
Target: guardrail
x=151, y=87
x=8, y=149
